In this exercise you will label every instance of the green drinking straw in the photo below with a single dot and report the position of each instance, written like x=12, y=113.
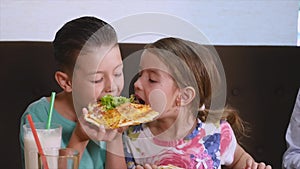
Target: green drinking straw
x=51, y=109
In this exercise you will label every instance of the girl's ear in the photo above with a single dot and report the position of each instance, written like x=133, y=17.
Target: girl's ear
x=187, y=95
x=64, y=81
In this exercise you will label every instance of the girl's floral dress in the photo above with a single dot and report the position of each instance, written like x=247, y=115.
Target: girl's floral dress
x=208, y=147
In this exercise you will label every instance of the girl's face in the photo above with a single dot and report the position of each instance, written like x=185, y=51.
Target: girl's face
x=97, y=73
x=155, y=86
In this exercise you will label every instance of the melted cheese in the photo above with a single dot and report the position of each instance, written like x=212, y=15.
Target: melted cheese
x=124, y=115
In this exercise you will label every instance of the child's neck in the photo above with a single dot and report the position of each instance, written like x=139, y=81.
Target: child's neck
x=64, y=106
x=173, y=129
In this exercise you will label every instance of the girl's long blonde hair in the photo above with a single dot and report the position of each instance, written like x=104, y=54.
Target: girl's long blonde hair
x=205, y=78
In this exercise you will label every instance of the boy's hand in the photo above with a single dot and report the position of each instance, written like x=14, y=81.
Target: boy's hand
x=93, y=132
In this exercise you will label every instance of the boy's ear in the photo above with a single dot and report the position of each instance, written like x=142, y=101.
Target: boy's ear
x=64, y=81
x=187, y=95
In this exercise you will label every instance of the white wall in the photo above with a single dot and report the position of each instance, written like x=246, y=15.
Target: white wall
x=223, y=22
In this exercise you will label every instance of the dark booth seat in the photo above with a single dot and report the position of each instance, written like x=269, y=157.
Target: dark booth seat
x=262, y=83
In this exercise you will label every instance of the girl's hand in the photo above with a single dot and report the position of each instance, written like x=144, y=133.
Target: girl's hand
x=251, y=164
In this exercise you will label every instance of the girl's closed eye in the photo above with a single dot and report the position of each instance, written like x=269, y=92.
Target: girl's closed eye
x=152, y=80
x=153, y=77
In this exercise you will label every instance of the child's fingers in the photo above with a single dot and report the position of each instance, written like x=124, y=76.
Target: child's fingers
x=248, y=163
x=111, y=134
x=100, y=134
x=254, y=165
x=139, y=167
x=260, y=165
x=148, y=166
x=268, y=167
x=121, y=129
x=154, y=166
x=251, y=164
x=84, y=111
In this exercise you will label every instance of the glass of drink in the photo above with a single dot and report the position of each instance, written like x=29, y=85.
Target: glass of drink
x=50, y=140
x=65, y=158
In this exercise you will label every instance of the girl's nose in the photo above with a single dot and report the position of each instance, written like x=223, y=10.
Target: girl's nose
x=137, y=84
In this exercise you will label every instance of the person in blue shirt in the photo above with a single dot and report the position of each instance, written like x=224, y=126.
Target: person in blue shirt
x=89, y=67
x=291, y=157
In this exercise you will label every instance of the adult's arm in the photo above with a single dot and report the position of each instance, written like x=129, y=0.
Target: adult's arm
x=291, y=157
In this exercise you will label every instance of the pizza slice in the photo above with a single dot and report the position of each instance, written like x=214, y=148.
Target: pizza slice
x=114, y=112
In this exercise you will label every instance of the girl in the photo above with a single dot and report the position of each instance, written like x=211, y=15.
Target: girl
x=180, y=79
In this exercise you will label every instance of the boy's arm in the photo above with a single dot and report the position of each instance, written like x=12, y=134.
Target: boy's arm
x=84, y=132
x=78, y=140
x=115, y=154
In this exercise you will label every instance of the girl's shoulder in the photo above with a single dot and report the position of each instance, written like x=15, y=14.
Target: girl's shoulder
x=218, y=126
x=222, y=129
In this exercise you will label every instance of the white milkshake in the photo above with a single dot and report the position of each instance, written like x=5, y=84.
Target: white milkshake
x=50, y=140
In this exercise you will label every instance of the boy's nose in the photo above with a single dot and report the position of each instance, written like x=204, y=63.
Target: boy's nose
x=110, y=86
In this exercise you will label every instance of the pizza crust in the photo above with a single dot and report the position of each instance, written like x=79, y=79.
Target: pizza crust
x=123, y=115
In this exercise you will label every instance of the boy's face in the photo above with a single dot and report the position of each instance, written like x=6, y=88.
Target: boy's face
x=97, y=72
x=155, y=86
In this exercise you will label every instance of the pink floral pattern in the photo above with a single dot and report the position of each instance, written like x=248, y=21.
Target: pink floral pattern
x=226, y=137
x=198, y=150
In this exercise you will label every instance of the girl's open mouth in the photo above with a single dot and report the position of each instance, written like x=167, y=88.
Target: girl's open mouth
x=139, y=100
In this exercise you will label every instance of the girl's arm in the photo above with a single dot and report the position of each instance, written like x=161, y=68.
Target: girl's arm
x=243, y=160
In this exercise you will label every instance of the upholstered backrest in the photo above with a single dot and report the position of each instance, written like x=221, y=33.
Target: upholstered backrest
x=262, y=83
